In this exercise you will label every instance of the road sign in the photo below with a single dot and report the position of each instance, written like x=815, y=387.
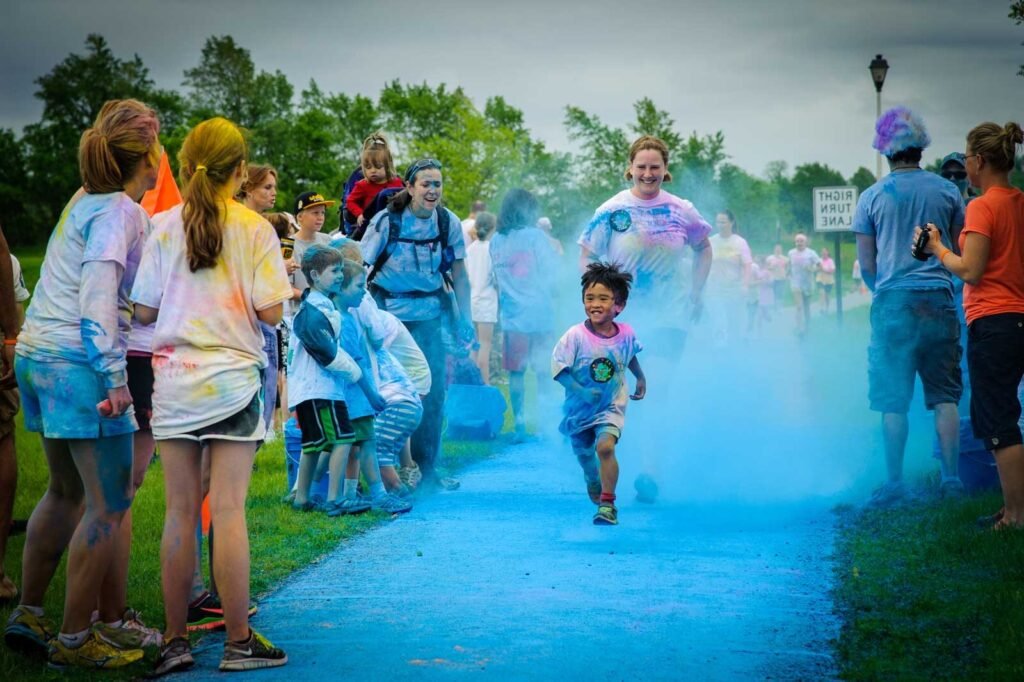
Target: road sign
x=834, y=208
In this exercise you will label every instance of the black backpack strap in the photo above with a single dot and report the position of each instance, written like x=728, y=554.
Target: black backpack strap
x=394, y=230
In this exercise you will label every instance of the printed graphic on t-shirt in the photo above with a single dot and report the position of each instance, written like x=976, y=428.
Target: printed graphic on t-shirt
x=602, y=370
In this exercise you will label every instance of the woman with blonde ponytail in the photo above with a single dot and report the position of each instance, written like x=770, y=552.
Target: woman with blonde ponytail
x=991, y=263
x=212, y=269
x=70, y=365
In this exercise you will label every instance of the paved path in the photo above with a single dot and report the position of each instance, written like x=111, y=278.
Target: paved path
x=508, y=579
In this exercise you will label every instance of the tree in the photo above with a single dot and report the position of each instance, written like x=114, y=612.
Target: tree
x=225, y=83
x=14, y=196
x=798, y=192
x=862, y=178
x=754, y=201
x=72, y=94
x=1017, y=14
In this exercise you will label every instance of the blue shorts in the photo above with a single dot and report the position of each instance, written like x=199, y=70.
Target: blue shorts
x=58, y=400
x=587, y=438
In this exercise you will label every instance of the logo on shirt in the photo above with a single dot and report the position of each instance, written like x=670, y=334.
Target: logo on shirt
x=602, y=370
x=620, y=220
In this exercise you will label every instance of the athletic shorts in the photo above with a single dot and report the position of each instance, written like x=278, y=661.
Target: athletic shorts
x=394, y=426
x=523, y=350
x=913, y=332
x=324, y=424
x=245, y=425
x=10, y=403
x=995, y=361
x=140, y=384
x=363, y=427
x=59, y=398
x=586, y=439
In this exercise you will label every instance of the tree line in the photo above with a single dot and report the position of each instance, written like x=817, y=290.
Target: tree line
x=314, y=139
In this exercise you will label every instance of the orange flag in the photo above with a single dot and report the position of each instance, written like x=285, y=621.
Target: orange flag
x=165, y=195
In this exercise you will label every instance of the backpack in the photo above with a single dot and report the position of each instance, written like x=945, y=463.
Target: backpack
x=356, y=176
x=394, y=238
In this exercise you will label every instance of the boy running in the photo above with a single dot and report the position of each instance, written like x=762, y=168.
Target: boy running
x=590, y=362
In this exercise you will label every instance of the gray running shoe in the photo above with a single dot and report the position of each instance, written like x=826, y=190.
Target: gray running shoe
x=391, y=504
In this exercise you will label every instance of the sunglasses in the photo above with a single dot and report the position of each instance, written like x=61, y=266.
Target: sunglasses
x=955, y=175
x=421, y=165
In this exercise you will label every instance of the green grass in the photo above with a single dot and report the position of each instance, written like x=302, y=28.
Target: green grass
x=925, y=594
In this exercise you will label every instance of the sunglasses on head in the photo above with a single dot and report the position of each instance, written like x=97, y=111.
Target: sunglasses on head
x=421, y=165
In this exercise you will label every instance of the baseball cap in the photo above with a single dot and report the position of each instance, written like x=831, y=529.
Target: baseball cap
x=311, y=199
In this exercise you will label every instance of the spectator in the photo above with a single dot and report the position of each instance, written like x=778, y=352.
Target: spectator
x=544, y=223
x=992, y=267
x=469, y=224
x=378, y=175
x=211, y=269
x=913, y=321
x=483, y=295
x=71, y=356
x=10, y=402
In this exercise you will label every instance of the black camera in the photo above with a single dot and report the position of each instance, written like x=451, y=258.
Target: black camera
x=918, y=251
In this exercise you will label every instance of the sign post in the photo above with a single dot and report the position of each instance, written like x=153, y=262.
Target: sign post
x=833, y=212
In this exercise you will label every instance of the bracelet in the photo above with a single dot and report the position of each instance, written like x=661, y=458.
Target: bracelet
x=11, y=342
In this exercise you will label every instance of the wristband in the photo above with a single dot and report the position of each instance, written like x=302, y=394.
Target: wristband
x=11, y=342
x=944, y=253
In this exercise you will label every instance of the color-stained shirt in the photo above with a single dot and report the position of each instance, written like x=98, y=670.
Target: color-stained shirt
x=207, y=346
x=999, y=215
x=648, y=238
x=81, y=310
x=525, y=267
x=319, y=369
x=599, y=364
x=354, y=341
x=730, y=258
x=802, y=265
x=412, y=267
x=889, y=211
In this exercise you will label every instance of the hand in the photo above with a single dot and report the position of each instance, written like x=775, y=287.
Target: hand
x=360, y=220
x=291, y=265
x=377, y=402
x=119, y=400
x=7, y=379
x=641, y=389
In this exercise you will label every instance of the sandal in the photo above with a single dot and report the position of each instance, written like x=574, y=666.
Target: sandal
x=1004, y=525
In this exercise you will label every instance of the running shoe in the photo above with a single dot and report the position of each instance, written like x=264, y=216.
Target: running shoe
x=28, y=633
x=888, y=495
x=207, y=613
x=349, y=505
x=175, y=656
x=391, y=504
x=256, y=653
x=94, y=653
x=952, y=489
x=594, y=490
x=131, y=634
x=607, y=515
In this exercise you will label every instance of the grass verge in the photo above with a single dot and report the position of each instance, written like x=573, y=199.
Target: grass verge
x=310, y=537
x=925, y=594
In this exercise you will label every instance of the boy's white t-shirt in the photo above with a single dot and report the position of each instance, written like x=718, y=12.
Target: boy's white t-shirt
x=384, y=330
x=483, y=295
x=207, y=346
x=595, y=363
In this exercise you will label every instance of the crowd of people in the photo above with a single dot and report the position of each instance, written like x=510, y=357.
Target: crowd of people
x=201, y=329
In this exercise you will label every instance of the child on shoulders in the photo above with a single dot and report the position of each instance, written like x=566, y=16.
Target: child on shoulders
x=378, y=175
x=590, y=361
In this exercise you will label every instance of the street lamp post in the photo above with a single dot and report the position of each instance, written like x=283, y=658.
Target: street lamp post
x=879, y=67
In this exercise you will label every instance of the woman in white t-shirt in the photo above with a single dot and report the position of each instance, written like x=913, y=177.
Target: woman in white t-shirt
x=647, y=231
x=70, y=367
x=483, y=296
x=729, y=280
x=211, y=271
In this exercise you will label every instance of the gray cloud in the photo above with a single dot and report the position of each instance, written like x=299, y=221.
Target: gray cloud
x=783, y=80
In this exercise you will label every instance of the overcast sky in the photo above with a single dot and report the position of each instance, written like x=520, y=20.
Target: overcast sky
x=785, y=79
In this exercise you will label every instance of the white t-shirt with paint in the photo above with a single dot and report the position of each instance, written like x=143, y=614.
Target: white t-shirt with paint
x=207, y=346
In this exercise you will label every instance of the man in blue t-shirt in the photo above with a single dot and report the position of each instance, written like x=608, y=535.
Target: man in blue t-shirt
x=914, y=329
